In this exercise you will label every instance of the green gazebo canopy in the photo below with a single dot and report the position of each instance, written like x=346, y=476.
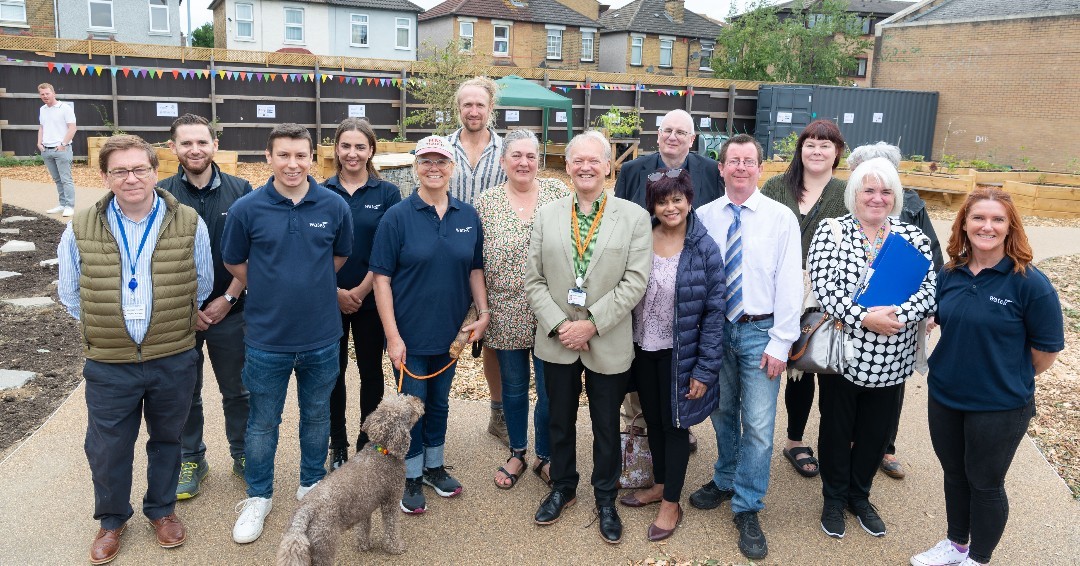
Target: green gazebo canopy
x=516, y=91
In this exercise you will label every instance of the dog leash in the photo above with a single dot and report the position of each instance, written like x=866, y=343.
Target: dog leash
x=404, y=370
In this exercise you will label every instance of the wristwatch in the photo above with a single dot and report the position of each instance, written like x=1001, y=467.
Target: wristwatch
x=230, y=298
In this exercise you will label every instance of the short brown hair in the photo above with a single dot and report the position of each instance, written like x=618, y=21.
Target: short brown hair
x=1017, y=246
x=122, y=142
x=741, y=139
x=290, y=131
x=189, y=120
x=43, y=86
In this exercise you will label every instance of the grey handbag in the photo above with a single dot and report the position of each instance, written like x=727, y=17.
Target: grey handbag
x=821, y=346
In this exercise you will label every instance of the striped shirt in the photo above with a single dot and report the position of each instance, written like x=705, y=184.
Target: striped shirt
x=68, y=252
x=468, y=182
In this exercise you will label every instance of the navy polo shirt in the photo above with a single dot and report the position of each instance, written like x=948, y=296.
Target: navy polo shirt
x=368, y=204
x=429, y=261
x=292, y=288
x=989, y=323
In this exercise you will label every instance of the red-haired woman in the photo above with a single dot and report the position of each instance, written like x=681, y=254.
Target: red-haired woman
x=1001, y=325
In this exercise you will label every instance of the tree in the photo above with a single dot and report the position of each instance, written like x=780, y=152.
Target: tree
x=203, y=36
x=435, y=83
x=818, y=43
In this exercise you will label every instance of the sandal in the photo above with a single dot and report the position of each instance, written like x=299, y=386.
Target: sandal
x=538, y=469
x=518, y=455
x=799, y=463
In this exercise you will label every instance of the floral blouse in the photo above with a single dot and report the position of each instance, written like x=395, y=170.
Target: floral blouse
x=506, y=251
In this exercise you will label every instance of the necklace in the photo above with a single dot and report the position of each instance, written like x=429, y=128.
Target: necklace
x=872, y=249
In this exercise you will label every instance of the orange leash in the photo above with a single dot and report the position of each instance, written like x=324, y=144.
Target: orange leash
x=404, y=370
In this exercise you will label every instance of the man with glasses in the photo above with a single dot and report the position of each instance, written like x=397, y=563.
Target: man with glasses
x=131, y=267
x=763, y=300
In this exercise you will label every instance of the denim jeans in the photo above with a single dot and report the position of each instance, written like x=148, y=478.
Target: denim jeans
x=429, y=433
x=266, y=376
x=59, y=165
x=514, y=367
x=746, y=417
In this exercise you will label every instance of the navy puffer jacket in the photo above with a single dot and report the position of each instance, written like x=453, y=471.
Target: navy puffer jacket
x=698, y=332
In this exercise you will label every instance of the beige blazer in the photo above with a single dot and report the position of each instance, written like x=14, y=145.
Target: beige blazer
x=614, y=283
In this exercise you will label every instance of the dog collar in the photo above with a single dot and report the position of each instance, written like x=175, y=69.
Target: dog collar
x=379, y=448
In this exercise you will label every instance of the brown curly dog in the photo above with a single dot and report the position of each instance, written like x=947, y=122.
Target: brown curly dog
x=374, y=479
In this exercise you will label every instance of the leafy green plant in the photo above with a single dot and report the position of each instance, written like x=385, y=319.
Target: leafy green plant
x=917, y=158
x=114, y=130
x=440, y=71
x=1073, y=166
x=950, y=161
x=8, y=161
x=785, y=148
x=327, y=140
x=619, y=124
x=981, y=165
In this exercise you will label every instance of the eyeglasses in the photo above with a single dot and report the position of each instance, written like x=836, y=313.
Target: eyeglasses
x=670, y=174
x=440, y=163
x=122, y=174
x=748, y=163
x=681, y=134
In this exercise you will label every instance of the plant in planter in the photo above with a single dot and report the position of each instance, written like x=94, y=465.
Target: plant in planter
x=620, y=124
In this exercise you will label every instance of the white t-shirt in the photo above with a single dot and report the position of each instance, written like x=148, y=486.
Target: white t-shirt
x=54, y=121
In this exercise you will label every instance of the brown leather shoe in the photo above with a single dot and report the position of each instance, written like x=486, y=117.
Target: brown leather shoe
x=106, y=545
x=169, y=530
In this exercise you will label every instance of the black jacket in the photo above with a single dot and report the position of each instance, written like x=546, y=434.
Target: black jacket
x=914, y=212
x=212, y=204
x=704, y=173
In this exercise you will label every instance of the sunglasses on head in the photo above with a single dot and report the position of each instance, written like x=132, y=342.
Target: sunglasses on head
x=670, y=174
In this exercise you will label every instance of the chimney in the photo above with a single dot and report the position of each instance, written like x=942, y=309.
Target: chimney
x=675, y=9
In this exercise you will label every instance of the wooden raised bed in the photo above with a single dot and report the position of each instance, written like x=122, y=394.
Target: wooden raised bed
x=395, y=147
x=93, y=148
x=1043, y=200
x=168, y=164
x=324, y=162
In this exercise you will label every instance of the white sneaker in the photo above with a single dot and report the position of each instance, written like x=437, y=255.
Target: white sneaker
x=55, y=210
x=69, y=212
x=302, y=491
x=249, y=525
x=943, y=554
x=970, y=562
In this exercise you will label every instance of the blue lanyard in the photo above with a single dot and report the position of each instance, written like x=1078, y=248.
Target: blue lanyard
x=123, y=238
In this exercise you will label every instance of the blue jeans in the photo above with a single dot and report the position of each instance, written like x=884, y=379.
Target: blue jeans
x=514, y=367
x=429, y=433
x=266, y=376
x=59, y=165
x=746, y=417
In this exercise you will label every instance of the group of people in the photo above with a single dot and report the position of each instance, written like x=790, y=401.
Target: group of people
x=685, y=285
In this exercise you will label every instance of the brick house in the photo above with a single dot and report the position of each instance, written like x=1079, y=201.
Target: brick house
x=552, y=34
x=658, y=37
x=1006, y=73
x=27, y=17
x=130, y=21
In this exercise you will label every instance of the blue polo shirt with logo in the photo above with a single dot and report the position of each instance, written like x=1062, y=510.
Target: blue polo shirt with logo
x=429, y=261
x=292, y=288
x=989, y=324
x=368, y=204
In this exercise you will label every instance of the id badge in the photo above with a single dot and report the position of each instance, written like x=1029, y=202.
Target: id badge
x=576, y=297
x=135, y=312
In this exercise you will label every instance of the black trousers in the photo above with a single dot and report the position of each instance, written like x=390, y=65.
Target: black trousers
x=670, y=445
x=368, y=342
x=118, y=397
x=605, y=392
x=798, y=399
x=225, y=346
x=976, y=450
x=891, y=448
x=855, y=426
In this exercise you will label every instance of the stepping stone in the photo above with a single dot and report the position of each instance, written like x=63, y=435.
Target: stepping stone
x=18, y=246
x=12, y=378
x=6, y=274
x=11, y=219
x=31, y=302
x=10, y=231
x=49, y=262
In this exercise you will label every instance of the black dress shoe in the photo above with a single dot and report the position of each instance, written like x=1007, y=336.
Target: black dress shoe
x=552, y=507
x=610, y=524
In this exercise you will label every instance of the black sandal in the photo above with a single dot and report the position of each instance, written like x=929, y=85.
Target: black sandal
x=518, y=455
x=807, y=459
x=538, y=469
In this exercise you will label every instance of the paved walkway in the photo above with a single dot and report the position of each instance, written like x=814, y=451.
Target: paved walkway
x=46, y=497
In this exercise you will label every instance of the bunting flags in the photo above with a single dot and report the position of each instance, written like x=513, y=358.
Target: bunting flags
x=621, y=87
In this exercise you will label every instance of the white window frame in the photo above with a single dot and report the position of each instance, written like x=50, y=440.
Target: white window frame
x=495, y=25
x=162, y=6
x=588, y=35
x=285, y=22
x=90, y=15
x=667, y=43
x=359, y=22
x=250, y=20
x=637, y=42
x=471, y=23
x=402, y=24
x=554, y=41
x=709, y=48
x=19, y=4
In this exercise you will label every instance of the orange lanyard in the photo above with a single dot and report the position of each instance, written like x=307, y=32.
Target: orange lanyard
x=581, y=247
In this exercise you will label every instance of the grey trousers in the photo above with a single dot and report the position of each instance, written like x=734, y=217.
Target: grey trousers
x=59, y=165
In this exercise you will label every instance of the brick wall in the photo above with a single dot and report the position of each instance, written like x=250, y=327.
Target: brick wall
x=221, y=33
x=40, y=21
x=1008, y=88
x=685, y=56
x=588, y=8
x=528, y=47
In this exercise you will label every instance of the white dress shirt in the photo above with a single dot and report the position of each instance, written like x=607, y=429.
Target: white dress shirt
x=771, y=260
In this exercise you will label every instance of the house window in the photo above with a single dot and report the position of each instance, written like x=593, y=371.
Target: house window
x=860, y=71
x=866, y=25
x=554, y=41
x=159, y=16
x=636, y=43
x=706, y=56
x=588, y=40
x=465, y=35
x=13, y=11
x=101, y=14
x=294, y=25
x=404, y=33
x=358, y=30
x=666, y=46
x=502, y=41
x=245, y=22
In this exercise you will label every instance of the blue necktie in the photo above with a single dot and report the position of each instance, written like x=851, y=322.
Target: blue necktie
x=733, y=266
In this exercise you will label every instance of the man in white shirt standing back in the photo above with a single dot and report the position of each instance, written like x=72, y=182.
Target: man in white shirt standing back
x=763, y=264
x=55, y=133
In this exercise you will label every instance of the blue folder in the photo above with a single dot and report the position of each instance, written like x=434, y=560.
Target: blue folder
x=894, y=276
